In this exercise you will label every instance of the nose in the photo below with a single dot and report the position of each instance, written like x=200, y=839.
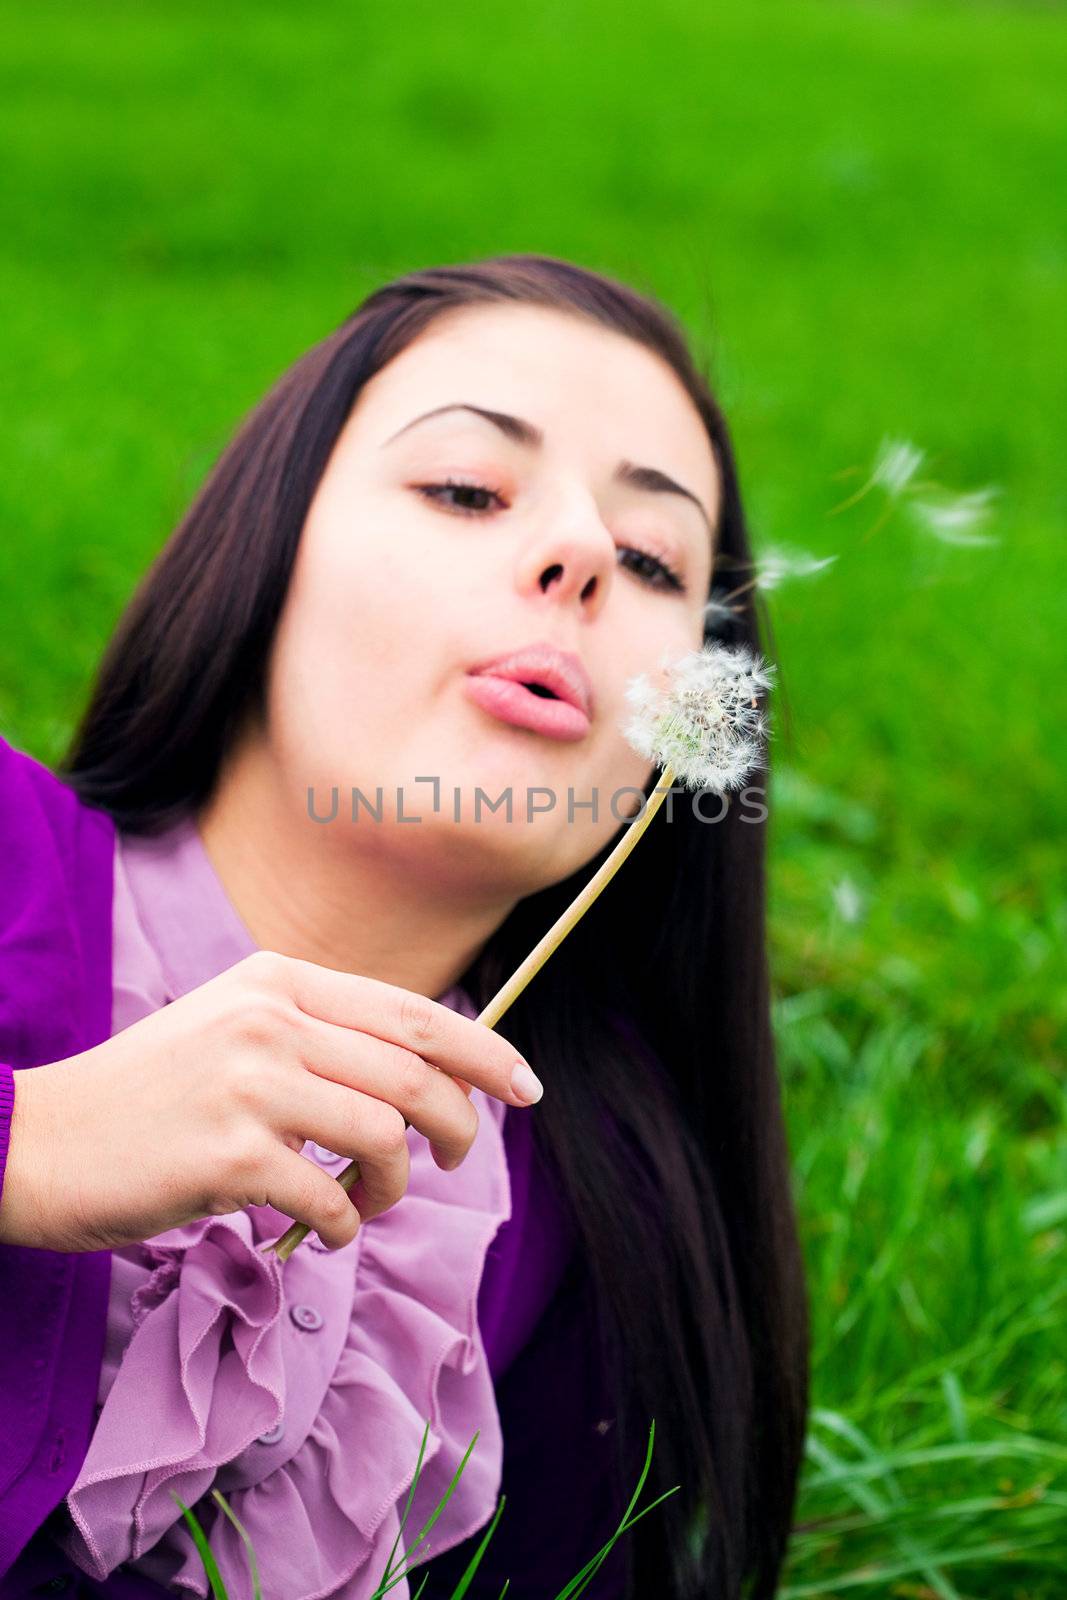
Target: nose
x=573, y=558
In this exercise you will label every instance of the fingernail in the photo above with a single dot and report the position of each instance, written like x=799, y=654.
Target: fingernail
x=525, y=1085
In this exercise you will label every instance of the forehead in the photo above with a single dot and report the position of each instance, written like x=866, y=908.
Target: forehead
x=594, y=392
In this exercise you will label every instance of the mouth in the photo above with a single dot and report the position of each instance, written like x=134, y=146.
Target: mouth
x=546, y=671
x=526, y=703
x=539, y=687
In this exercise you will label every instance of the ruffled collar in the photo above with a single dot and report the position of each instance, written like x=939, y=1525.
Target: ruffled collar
x=171, y=877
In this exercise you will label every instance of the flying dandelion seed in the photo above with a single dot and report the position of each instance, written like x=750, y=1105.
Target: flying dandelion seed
x=895, y=466
x=847, y=899
x=774, y=567
x=950, y=518
x=954, y=521
x=717, y=608
x=777, y=565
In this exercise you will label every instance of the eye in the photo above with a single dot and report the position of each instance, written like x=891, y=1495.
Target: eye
x=434, y=491
x=658, y=574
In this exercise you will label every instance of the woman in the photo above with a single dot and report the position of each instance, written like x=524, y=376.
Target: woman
x=483, y=458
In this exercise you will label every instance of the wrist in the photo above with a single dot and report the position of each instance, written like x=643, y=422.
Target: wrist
x=23, y=1213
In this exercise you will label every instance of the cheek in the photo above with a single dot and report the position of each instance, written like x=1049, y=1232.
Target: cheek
x=358, y=605
x=650, y=636
x=651, y=632
x=612, y=762
x=364, y=630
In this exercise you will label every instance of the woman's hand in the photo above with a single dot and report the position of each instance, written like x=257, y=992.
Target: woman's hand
x=202, y=1108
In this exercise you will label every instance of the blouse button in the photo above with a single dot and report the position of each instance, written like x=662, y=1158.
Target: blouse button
x=306, y=1317
x=272, y=1435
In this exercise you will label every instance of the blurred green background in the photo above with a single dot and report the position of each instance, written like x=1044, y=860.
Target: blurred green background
x=859, y=212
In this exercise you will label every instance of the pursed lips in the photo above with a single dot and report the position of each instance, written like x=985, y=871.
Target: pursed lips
x=546, y=670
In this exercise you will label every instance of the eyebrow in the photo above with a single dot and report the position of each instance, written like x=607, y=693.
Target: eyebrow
x=530, y=437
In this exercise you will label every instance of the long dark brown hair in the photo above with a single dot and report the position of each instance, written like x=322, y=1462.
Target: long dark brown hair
x=688, y=1222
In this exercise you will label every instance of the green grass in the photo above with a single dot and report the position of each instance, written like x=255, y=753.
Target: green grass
x=858, y=210
x=392, y=1576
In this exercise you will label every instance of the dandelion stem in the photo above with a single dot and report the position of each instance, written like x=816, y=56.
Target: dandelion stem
x=559, y=930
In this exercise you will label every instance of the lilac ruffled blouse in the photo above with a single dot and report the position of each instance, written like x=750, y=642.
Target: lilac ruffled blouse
x=301, y=1391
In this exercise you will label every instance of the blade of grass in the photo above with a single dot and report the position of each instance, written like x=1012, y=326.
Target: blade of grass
x=880, y=1575
x=447, y=1496
x=218, y=1588
x=407, y=1505
x=257, y=1593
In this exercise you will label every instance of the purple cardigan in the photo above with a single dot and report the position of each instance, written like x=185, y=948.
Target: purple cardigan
x=55, y=1001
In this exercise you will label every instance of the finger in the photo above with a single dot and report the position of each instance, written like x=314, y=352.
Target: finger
x=458, y=1045
x=299, y=1189
x=360, y=1126
x=433, y=1102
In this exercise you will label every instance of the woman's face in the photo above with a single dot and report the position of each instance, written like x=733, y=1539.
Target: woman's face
x=402, y=584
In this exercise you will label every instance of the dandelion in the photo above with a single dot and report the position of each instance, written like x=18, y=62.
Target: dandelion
x=703, y=728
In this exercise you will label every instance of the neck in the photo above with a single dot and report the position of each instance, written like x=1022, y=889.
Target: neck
x=354, y=897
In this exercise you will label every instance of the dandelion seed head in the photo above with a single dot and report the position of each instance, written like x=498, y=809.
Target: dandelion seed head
x=640, y=693
x=706, y=721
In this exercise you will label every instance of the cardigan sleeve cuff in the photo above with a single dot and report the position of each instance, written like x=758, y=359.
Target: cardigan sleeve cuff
x=7, y=1108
